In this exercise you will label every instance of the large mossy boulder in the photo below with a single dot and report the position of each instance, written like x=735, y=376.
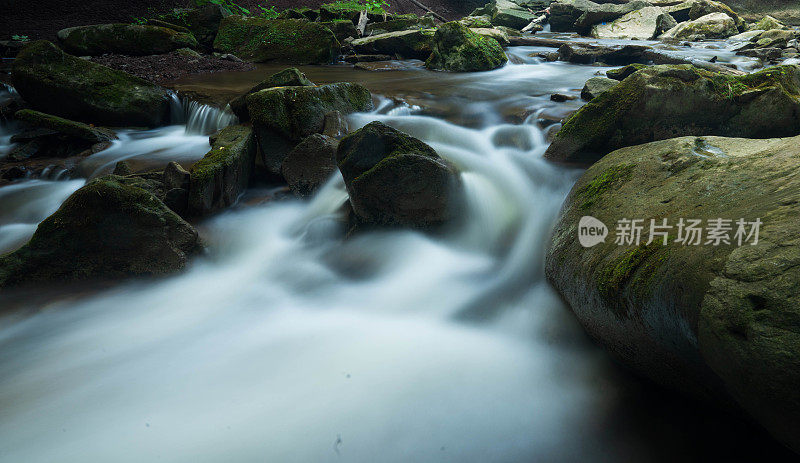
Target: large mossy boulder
x=413, y=44
x=342, y=29
x=290, y=77
x=667, y=101
x=395, y=179
x=124, y=39
x=457, y=48
x=283, y=116
x=286, y=40
x=710, y=26
x=217, y=180
x=702, y=8
x=108, y=229
x=203, y=22
x=718, y=321
x=57, y=83
x=643, y=24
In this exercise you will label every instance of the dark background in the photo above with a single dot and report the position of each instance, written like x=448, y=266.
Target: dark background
x=43, y=18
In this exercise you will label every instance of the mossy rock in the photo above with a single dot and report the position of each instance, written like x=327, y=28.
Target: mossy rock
x=721, y=322
x=124, y=39
x=283, y=116
x=472, y=22
x=57, y=83
x=202, y=22
x=711, y=26
x=625, y=71
x=394, y=25
x=168, y=25
x=767, y=23
x=414, y=44
x=395, y=179
x=217, y=180
x=291, y=77
x=702, y=8
x=66, y=127
x=342, y=29
x=458, y=49
x=286, y=40
x=668, y=101
x=108, y=229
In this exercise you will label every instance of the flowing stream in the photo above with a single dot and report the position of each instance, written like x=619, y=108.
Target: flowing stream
x=286, y=344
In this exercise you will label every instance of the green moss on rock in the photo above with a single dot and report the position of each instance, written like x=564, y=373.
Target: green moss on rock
x=217, y=180
x=125, y=39
x=456, y=48
x=667, y=101
x=57, y=83
x=107, y=229
x=63, y=126
x=414, y=44
x=396, y=179
x=289, y=40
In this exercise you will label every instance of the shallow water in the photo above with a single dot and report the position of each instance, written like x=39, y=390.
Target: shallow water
x=287, y=344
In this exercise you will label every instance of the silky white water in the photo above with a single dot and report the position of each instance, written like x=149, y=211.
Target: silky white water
x=287, y=344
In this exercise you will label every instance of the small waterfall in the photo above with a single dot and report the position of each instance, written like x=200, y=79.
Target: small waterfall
x=199, y=118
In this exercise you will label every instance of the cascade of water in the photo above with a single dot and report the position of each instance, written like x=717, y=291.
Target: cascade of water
x=199, y=118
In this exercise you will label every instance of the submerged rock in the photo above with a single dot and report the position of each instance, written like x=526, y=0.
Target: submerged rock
x=643, y=24
x=60, y=84
x=716, y=321
x=414, y=44
x=287, y=40
x=396, y=179
x=291, y=77
x=456, y=48
x=124, y=39
x=666, y=101
x=217, y=180
x=310, y=164
x=283, y=116
x=711, y=26
x=110, y=228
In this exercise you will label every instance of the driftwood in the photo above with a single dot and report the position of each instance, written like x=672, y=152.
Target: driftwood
x=362, y=22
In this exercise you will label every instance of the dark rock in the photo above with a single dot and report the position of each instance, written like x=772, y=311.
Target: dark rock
x=124, y=39
x=291, y=77
x=57, y=83
x=335, y=125
x=395, y=179
x=110, y=228
x=288, y=40
x=456, y=48
x=175, y=176
x=65, y=127
x=174, y=27
x=342, y=29
x=217, y=180
x=283, y=116
x=122, y=168
x=366, y=58
x=406, y=44
x=202, y=22
x=560, y=97
x=666, y=101
x=623, y=72
x=310, y=164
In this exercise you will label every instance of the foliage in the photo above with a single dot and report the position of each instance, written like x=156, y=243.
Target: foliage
x=230, y=5
x=267, y=12
x=20, y=38
x=372, y=6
